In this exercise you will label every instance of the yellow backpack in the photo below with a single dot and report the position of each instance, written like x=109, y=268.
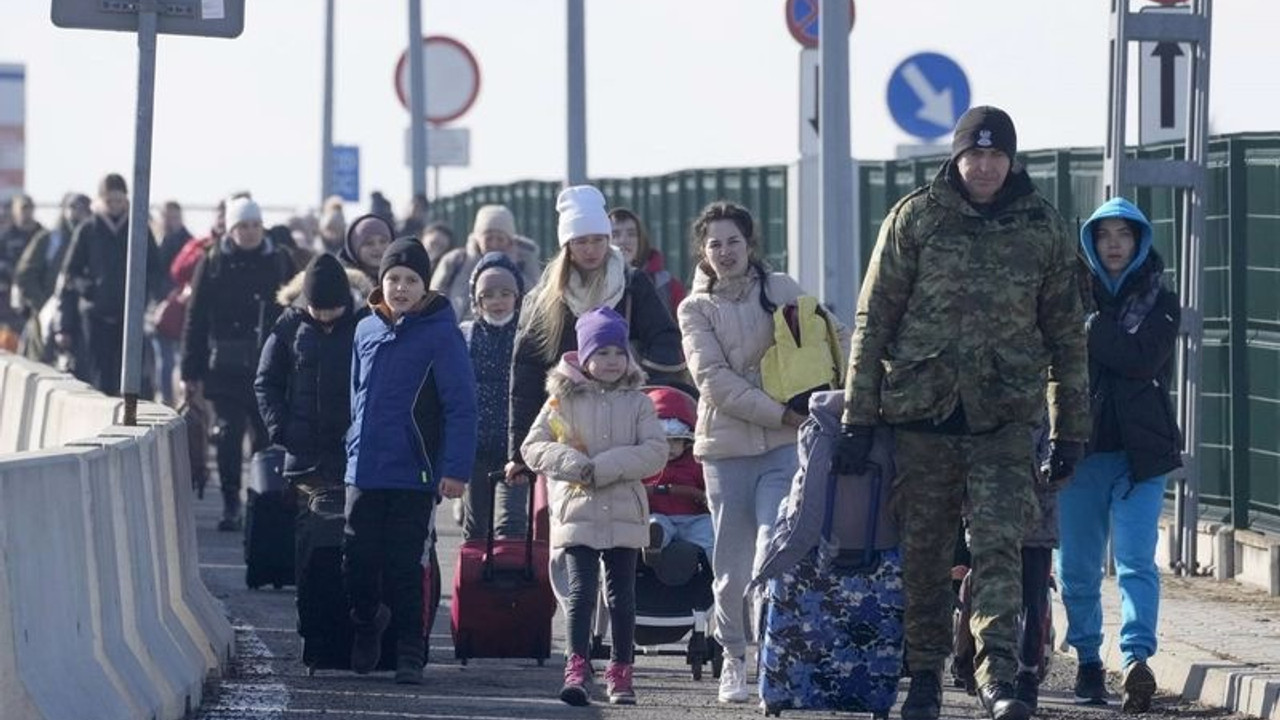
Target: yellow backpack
x=805, y=356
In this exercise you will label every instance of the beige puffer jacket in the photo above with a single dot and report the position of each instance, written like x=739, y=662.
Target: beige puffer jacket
x=726, y=333
x=610, y=438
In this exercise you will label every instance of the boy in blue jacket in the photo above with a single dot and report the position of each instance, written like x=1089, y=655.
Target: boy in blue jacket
x=413, y=435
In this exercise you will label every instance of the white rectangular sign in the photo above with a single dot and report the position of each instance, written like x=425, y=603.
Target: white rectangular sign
x=446, y=147
x=809, y=71
x=13, y=114
x=1162, y=87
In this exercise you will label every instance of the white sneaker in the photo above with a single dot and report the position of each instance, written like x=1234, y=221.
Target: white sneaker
x=733, y=681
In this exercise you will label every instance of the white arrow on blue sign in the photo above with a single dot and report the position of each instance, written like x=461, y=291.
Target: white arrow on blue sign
x=346, y=172
x=927, y=93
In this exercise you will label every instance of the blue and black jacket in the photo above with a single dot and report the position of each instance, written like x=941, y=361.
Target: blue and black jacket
x=413, y=400
x=1132, y=336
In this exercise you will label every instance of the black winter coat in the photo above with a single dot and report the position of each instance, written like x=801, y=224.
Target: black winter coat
x=304, y=391
x=93, y=275
x=654, y=335
x=1129, y=377
x=231, y=311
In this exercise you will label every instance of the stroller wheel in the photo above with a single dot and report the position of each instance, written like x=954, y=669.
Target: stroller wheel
x=599, y=650
x=716, y=653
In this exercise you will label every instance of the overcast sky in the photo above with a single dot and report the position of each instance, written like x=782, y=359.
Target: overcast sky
x=671, y=84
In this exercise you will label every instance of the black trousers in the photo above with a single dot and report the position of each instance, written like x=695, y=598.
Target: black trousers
x=583, y=564
x=236, y=414
x=1037, y=563
x=382, y=547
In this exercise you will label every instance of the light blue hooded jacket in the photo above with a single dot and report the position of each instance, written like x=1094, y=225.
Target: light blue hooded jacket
x=1116, y=207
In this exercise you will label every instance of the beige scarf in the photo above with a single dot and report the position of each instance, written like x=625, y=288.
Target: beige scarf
x=583, y=297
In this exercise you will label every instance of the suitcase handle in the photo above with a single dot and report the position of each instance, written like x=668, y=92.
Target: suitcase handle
x=496, y=477
x=876, y=474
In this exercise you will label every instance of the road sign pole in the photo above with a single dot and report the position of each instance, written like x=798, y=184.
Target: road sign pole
x=417, y=97
x=326, y=132
x=840, y=255
x=577, y=95
x=136, y=262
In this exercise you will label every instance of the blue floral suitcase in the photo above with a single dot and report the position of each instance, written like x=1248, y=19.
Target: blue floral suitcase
x=832, y=635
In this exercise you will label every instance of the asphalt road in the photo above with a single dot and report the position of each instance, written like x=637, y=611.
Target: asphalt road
x=269, y=681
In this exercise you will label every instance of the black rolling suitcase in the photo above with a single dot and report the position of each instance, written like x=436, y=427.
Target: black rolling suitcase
x=269, y=518
x=324, y=621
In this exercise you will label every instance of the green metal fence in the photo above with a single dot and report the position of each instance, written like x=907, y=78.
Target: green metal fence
x=1240, y=435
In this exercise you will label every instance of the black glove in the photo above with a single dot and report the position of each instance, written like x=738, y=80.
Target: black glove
x=853, y=448
x=1061, y=463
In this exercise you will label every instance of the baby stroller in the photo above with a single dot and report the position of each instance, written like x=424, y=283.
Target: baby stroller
x=674, y=601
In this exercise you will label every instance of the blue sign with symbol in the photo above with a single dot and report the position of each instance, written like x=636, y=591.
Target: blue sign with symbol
x=927, y=94
x=346, y=172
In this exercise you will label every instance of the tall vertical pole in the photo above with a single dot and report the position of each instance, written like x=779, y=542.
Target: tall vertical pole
x=576, y=172
x=139, y=214
x=840, y=259
x=1193, y=240
x=326, y=133
x=417, y=98
x=1113, y=152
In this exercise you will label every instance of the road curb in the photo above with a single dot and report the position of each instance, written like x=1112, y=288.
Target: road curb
x=1192, y=672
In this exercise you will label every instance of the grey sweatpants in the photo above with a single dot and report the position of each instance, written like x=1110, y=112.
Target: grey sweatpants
x=744, y=494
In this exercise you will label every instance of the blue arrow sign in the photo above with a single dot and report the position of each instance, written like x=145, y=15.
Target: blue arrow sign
x=927, y=93
x=346, y=172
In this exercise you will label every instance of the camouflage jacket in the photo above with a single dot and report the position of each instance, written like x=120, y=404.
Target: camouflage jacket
x=961, y=307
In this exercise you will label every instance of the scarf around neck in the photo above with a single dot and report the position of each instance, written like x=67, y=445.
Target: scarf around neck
x=579, y=297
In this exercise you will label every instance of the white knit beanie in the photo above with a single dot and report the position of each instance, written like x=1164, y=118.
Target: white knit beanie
x=582, y=212
x=242, y=209
x=494, y=217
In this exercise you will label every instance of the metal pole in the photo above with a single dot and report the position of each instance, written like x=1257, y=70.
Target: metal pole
x=1197, y=151
x=135, y=291
x=577, y=95
x=1113, y=152
x=840, y=276
x=326, y=133
x=417, y=98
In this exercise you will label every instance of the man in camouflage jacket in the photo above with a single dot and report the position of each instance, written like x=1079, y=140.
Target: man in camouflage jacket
x=968, y=315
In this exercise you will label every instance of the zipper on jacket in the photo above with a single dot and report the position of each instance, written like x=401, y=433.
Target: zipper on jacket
x=429, y=474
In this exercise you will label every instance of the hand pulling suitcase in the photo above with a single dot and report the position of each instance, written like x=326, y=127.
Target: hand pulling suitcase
x=269, y=517
x=324, y=620
x=502, y=600
x=833, y=637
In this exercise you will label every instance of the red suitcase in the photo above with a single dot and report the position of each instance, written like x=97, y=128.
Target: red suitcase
x=502, y=600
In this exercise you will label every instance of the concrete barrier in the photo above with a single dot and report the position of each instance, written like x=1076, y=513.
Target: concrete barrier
x=102, y=610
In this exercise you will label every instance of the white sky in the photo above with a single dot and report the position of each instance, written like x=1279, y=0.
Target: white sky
x=671, y=84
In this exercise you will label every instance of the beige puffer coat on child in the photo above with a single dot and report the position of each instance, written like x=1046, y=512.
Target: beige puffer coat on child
x=595, y=446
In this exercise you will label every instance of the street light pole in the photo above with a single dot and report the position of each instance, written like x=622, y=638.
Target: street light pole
x=577, y=95
x=417, y=98
x=326, y=133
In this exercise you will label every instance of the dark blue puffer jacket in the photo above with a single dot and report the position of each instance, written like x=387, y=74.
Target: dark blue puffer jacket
x=491, y=348
x=303, y=391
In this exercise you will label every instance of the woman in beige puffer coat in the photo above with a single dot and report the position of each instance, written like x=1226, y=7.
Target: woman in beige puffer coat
x=595, y=440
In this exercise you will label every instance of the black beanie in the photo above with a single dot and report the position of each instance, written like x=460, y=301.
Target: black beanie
x=985, y=127
x=325, y=284
x=409, y=253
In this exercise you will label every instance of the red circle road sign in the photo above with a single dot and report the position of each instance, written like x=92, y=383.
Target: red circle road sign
x=802, y=20
x=453, y=75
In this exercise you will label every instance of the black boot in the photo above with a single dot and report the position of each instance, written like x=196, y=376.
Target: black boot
x=230, y=521
x=1091, y=684
x=1027, y=689
x=366, y=648
x=924, y=697
x=1001, y=702
x=1139, y=687
x=409, y=653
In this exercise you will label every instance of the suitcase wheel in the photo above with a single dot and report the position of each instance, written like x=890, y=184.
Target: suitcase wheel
x=463, y=661
x=277, y=585
x=883, y=715
x=311, y=671
x=542, y=662
x=716, y=653
x=772, y=710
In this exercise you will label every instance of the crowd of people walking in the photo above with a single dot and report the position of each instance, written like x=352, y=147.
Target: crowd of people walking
x=1024, y=373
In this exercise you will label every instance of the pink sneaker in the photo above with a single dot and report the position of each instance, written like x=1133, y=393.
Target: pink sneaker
x=577, y=681
x=618, y=684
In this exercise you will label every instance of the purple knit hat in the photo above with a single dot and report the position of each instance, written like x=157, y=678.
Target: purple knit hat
x=600, y=328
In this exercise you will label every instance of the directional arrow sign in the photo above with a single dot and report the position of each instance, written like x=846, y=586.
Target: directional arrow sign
x=927, y=93
x=1162, y=87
